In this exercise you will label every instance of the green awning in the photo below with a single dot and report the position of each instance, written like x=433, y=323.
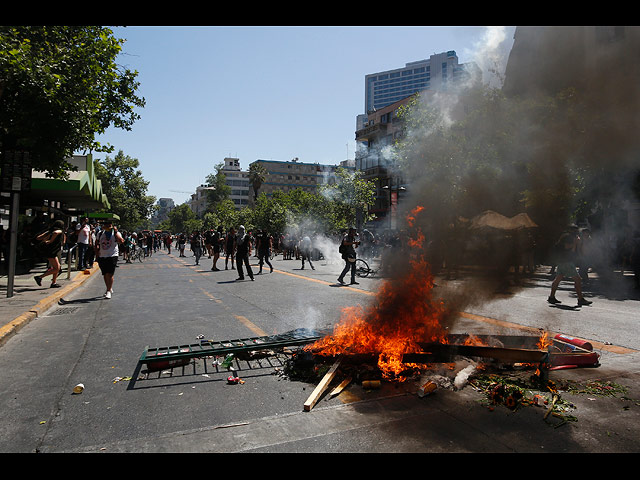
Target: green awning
x=82, y=190
x=103, y=216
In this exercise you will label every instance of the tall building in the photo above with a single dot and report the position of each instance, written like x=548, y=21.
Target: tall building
x=380, y=126
x=435, y=73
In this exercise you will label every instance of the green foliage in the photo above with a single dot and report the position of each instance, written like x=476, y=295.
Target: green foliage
x=181, y=219
x=350, y=194
x=60, y=86
x=221, y=190
x=257, y=175
x=126, y=190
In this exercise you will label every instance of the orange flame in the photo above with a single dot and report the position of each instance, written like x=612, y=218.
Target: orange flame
x=403, y=315
x=544, y=341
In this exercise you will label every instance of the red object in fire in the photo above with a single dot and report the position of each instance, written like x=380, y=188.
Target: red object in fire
x=575, y=341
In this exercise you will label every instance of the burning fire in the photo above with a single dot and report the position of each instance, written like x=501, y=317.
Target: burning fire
x=544, y=341
x=404, y=314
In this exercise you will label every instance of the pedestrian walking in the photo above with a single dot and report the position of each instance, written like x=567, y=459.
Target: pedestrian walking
x=229, y=248
x=208, y=242
x=306, y=250
x=167, y=241
x=107, y=253
x=348, y=250
x=566, y=267
x=182, y=240
x=127, y=246
x=51, y=242
x=216, y=245
x=196, y=245
x=91, y=252
x=264, y=246
x=83, y=232
x=243, y=251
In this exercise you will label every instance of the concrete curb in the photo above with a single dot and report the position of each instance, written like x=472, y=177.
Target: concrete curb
x=11, y=328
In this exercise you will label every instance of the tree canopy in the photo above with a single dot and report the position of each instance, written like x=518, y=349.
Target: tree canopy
x=126, y=190
x=60, y=86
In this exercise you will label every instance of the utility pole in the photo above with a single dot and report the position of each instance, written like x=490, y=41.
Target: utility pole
x=16, y=177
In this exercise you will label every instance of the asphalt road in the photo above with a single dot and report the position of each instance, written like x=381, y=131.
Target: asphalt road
x=167, y=300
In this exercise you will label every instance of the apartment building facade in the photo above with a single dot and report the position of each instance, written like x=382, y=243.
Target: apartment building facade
x=289, y=175
x=238, y=180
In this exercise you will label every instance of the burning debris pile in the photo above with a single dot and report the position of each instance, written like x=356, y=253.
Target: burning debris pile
x=404, y=334
x=404, y=313
x=405, y=321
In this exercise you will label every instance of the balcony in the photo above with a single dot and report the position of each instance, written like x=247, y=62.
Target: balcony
x=371, y=131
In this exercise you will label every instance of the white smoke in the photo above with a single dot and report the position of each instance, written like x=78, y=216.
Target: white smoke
x=491, y=53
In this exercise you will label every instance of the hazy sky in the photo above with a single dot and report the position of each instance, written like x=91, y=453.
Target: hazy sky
x=271, y=93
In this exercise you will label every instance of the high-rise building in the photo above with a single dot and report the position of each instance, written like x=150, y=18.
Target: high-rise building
x=380, y=126
x=435, y=73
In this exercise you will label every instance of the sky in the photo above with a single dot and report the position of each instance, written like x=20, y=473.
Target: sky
x=270, y=93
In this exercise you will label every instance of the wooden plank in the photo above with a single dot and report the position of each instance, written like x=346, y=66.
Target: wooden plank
x=322, y=386
x=340, y=387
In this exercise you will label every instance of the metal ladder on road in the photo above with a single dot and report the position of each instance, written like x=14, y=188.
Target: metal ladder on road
x=158, y=358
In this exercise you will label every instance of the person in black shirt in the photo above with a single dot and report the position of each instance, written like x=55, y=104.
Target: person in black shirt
x=229, y=248
x=243, y=250
x=348, y=249
x=216, y=242
x=264, y=249
x=196, y=245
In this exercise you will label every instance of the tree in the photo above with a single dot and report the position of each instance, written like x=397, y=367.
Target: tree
x=126, y=190
x=257, y=176
x=222, y=213
x=60, y=86
x=350, y=194
x=181, y=219
x=221, y=190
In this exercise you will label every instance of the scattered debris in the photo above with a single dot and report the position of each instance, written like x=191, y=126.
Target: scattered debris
x=322, y=386
x=462, y=376
x=79, y=388
x=340, y=387
x=427, y=389
x=119, y=379
x=371, y=384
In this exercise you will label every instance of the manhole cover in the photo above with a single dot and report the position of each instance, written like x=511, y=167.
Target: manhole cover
x=64, y=310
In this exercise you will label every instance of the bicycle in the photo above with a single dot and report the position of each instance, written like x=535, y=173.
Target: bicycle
x=138, y=254
x=363, y=269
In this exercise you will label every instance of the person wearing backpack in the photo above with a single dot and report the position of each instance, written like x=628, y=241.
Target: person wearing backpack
x=107, y=253
x=348, y=250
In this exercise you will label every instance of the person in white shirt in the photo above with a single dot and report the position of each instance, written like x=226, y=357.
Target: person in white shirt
x=84, y=240
x=107, y=253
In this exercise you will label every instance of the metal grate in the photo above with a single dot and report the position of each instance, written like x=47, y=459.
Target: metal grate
x=179, y=355
x=63, y=311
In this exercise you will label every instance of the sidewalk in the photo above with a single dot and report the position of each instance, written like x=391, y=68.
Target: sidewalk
x=30, y=301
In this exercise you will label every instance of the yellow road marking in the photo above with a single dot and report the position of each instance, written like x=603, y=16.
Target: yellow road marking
x=365, y=292
x=217, y=300
x=250, y=325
